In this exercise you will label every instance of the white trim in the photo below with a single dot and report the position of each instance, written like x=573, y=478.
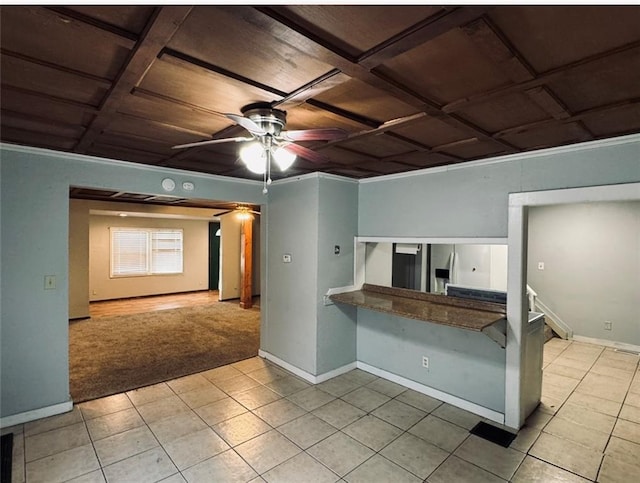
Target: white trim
x=445, y=240
x=631, y=138
x=314, y=175
x=304, y=374
x=607, y=343
x=615, y=192
x=115, y=162
x=20, y=418
x=556, y=322
x=429, y=391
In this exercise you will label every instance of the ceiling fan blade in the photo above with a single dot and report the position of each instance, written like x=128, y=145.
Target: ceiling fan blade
x=224, y=213
x=328, y=134
x=212, y=141
x=306, y=153
x=247, y=123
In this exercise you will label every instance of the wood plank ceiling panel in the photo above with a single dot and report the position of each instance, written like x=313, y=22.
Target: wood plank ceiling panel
x=555, y=135
x=511, y=110
x=178, y=80
x=356, y=29
x=17, y=72
x=360, y=98
x=445, y=69
x=431, y=132
x=245, y=48
x=19, y=101
x=625, y=120
x=378, y=146
x=130, y=18
x=613, y=82
x=552, y=36
x=63, y=41
x=173, y=114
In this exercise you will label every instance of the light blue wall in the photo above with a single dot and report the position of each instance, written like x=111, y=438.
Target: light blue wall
x=289, y=331
x=463, y=363
x=591, y=255
x=34, y=243
x=472, y=201
x=469, y=201
x=338, y=224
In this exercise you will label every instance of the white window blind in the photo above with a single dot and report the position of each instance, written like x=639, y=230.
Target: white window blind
x=145, y=251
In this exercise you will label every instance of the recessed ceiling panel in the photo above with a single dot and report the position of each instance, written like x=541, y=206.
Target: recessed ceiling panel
x=445, y=69
x=623, y=120
x=129, y=18
x=504, y=112
x=431, y=132
x=175, y=114
x=611, y=83
x=552, y=36
x=245, y=48
x=153, y=131
x=30, y=138
x=37, y=125
x=41, y=107
x=357, y=28
x=360, y=98
x=19, y=73
x=199, y=87
x=474, y=150
x=383, y=167
x=62, y=41
x=426, y=159
x=345, y=156
x=555, y=135
x=378, y=146
x=306, y=116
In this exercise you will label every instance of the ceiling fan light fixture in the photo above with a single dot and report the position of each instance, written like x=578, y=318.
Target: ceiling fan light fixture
x=253, y=156
x=284, y=158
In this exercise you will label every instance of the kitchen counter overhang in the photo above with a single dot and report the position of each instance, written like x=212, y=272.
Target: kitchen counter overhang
x=486, y=317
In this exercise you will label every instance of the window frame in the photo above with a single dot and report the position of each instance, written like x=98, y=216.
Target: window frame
x=149, y=251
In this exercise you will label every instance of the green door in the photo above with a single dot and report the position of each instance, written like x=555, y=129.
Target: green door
x=214, y=255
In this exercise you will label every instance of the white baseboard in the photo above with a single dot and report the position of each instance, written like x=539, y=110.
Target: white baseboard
x=34, y=414
x=487, y=413
x=313, y=379
x=608, y=343
x=429, y=391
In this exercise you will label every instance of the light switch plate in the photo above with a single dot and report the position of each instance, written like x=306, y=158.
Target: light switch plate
x=286, y=258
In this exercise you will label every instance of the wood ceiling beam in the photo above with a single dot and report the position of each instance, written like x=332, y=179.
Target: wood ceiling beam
x=416, y=35
x=494, y=45
x=587, y=63
x=272, y=20
x=160, y=29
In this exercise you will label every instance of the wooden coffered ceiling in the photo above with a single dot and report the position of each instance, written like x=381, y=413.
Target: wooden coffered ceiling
x=414, y=86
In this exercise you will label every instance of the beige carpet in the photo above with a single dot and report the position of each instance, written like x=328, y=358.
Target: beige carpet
x=108, y=355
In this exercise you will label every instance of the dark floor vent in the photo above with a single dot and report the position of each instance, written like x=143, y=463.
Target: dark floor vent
x=6, y=457
x=493, y=434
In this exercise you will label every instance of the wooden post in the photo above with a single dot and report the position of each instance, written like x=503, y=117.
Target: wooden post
x=246, y=264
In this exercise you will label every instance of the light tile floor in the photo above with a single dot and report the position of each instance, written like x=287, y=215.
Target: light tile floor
x=252, y=421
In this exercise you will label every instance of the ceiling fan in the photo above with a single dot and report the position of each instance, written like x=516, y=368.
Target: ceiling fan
x=269, y=141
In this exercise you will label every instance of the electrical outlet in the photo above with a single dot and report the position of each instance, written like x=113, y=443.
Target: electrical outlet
x=425, y=362
x=49, y=282
x=607, y=325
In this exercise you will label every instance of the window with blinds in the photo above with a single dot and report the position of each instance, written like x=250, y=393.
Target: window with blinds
x=145, y=251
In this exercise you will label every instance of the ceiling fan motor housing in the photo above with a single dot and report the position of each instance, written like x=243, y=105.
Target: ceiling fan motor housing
x=269, y=119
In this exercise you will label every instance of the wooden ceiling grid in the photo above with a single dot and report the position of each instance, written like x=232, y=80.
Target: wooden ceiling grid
x=414, y=86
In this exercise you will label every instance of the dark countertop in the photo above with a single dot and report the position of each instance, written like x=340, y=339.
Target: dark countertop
x=439, y=309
